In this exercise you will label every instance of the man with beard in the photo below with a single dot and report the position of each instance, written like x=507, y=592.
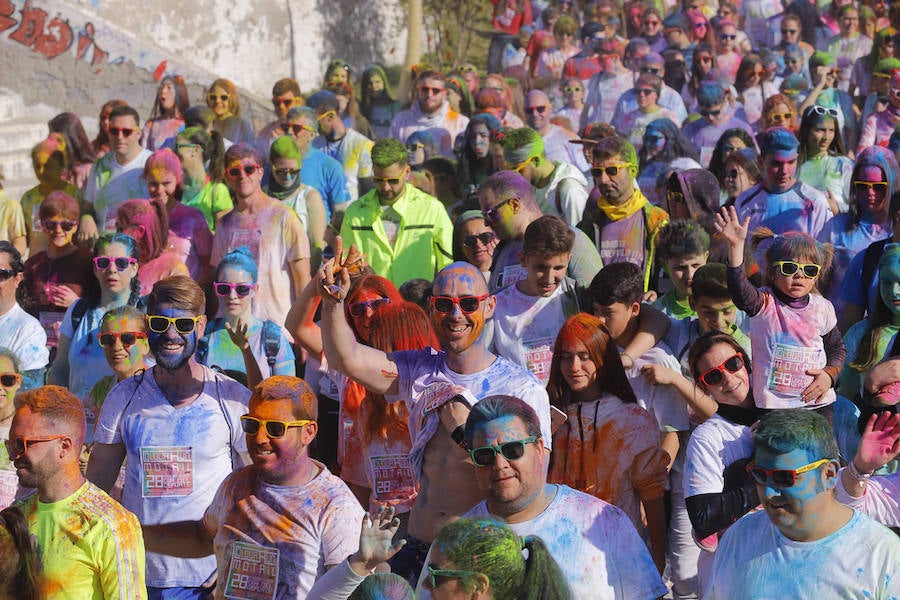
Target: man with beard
x=179, y=425
x=438, y=389
x=90, y=547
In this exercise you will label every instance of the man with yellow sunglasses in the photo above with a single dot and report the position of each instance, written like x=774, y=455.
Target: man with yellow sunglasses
x=282, y=522
x=347, y=146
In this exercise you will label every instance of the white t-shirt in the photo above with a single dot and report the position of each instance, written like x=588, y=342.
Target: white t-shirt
x=880, y=500
x=23, y=335
x=110, y=184
x=567, y=192
x=754, y=560
x=419, y=369
x=176, y=458
x=663, y=402
x=595, y=545
x=714, y=445
x=300, y=530
x=525, y=327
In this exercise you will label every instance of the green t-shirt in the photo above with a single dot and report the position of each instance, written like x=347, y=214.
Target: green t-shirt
x=673, y=307
x=211, y=199
x=91, y=547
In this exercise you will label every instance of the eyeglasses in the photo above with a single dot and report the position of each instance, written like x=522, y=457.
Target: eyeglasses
x=650, y=70
x=699, y=25
x=711, y=113
x=862, y=187
x=433, y=574
x=285, y=172
x=223, y=288
x=781, y=116
x=388, y=180
x=161, y=323
x=572, y=88
x=715, y=375
x=19, y=446
x=530, y=110
x=123, y=131
x=485, y=237
x=122, y=262
x=759, y=72
x=358, y=309
x=521, y=166
x=490, y=214
x=821, y=110
x=466, y=69
x=214, y=97
x=296, y=128
x=7, y=274
x=326, y=115
x=414, y=147
x=9, y=380
x=789, y=268
x=467, y=304
x=179, y=146
x=283, y=101
x=644, y=91
x=484, y=456
x=791, y=61
x=611, y=170
x=430, y=91
x=235, y=172
x=274, y=429
x=726, y=36
x=675, y=197
x=51, y=225
x=705, y=59
x=129, y=338
x=732, y=174
x=652, y=22
x=782, y=478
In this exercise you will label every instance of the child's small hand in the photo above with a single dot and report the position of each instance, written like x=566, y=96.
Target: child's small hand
x=730, y=227
x=821, y=384
x=659, y=375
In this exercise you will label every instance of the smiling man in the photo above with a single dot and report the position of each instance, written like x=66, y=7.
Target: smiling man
x=430, y=112
x=178, y=425
x=598, y=549
x=433, y=385
x=90, y=547
x=404, y=232
x=805, y=544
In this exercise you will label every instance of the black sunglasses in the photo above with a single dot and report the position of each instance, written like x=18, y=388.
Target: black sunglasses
x=485, y=237
x=7, y=274
x=51, y=225
x=485, y=456
x=358, y=309
x=129, y=338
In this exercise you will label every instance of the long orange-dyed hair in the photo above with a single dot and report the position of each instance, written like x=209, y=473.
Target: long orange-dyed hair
x=394, y=327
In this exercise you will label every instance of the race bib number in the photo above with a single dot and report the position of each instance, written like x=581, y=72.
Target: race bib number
x=9, y=484
x=109, y=221
x=789, y=365
x=538, y=354
x=512, y=274
x=50, y=321
x=252, y=572
x=393, y=477
x=437, y=394
x=167, y=471
x=246, y=237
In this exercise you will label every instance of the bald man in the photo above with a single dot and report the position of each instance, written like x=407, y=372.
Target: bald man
x=538, y=112
x=438, y=387
x=90, y=546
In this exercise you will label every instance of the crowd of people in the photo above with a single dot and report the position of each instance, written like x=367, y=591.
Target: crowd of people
x=486, y=337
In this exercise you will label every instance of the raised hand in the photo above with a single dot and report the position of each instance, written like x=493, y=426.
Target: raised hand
x=880, y=442
x=730, y=226
x=238, y=334
x=375, y=540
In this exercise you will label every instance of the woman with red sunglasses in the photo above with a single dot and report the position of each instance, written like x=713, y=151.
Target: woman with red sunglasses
x=56, y=277
x=716, y=487
x=247, y=348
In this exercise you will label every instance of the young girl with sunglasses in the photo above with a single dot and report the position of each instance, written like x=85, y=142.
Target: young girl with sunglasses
x=821, y=160
x=797, y=347
x=80, y=362
x=244, y=346
x=59, y=275
x=609, y=446
x=123, y=337
x=10, y=382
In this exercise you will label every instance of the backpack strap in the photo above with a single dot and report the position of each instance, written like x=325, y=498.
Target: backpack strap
x=78, y=311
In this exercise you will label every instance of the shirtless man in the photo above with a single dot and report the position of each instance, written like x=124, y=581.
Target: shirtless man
x=438, y=387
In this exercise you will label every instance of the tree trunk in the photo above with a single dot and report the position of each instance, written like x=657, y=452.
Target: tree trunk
x=414, y=20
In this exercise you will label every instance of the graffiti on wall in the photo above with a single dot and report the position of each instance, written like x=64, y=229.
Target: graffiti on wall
x=32, y=27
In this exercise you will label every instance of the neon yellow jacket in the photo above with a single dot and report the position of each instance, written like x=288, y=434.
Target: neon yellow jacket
x=424, y=239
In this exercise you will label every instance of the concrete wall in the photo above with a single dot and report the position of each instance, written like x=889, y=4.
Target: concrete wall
x=73, y=55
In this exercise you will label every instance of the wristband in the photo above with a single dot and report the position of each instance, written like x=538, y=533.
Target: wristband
x=861, y=478
x=458, y=435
